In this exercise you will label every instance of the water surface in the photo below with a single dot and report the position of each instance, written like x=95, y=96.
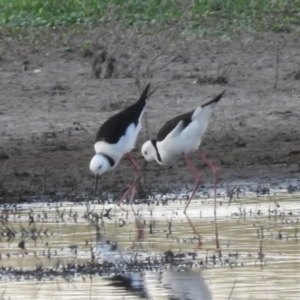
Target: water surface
x=259, y=256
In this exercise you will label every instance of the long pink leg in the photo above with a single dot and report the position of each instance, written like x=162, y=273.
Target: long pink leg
x=197, y=178
x=195, y=232
x=136, y=180
x=215, y=172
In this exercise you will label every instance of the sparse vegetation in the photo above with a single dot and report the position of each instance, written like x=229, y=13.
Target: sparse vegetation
x=206, y=15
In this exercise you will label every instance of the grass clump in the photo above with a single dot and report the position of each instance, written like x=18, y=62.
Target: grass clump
x=70, y=12
x=243, y=15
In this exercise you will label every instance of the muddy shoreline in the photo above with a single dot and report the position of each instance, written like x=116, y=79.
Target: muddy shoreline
x=51, y=110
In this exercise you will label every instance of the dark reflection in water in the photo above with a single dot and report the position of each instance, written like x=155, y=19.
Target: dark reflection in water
x=177, y=282
x=131, y=283
x=184, y=285
x=181, y=285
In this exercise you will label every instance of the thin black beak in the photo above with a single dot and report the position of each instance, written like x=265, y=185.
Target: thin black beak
x=96, y=184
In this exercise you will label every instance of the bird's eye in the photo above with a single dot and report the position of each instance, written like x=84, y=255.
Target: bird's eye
x=145, y=152
x=100, y=167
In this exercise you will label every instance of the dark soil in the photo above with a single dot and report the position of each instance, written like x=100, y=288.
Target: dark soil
x=54, y=98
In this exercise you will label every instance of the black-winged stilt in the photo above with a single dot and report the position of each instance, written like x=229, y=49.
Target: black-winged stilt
x=180, y=136
x=116, y=138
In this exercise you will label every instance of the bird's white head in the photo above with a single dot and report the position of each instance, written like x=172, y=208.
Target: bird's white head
x=148, y=151
x=100, y=164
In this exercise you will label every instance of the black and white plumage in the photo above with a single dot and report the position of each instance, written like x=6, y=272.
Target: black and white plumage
x=116, y=138
x=180, y=136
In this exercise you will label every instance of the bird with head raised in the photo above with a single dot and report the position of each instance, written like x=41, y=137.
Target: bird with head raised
x=181, y=136
x=115, y=138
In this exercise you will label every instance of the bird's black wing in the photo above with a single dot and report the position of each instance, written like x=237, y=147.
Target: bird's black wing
x=115, y=127
x=185, y=118
x=171, y=124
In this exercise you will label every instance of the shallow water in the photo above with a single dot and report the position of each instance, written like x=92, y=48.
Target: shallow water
x=259, y=258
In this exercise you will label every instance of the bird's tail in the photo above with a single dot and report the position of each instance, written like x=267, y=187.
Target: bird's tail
x=144, y=94
x=203, y=113
x=215, y=100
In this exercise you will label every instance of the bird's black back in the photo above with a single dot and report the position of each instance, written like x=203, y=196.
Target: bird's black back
x=115, y=127
x=186, y=118
x=171, y=124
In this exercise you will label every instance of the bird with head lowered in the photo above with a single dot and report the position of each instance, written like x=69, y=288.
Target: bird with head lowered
x=181, y=136
x=115, y=138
